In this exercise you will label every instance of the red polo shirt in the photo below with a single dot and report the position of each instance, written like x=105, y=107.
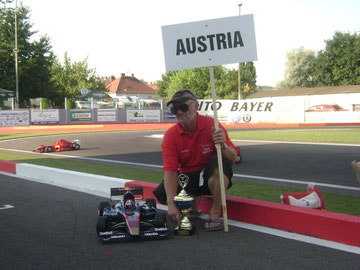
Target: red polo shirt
x=187, y=152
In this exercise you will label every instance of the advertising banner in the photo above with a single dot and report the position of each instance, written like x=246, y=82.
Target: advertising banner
x=14, y=118
x=80, y=115
x=141, y=116
x=106, y=115
x=169, y=116
x=43, y=117
x=237, y=111
x=209, y=43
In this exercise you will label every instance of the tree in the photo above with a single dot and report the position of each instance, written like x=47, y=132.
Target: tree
x=226, y=84
x=34, y=57
x=198, y=80
x=6, y=1
x=69, y=78
x=298, y=69
x=248, y=78
x=163, y=84
x=339, y=63
x=195, y=79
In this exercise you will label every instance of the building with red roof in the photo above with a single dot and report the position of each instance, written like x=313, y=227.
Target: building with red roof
x=129, y=86
x=129, y=92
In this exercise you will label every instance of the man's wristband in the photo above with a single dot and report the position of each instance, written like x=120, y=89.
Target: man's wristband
x=224, y=146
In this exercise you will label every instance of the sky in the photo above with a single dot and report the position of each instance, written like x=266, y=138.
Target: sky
x=124, y=36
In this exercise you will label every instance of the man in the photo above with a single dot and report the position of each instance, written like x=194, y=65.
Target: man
x=189, y=147
x=356, y=167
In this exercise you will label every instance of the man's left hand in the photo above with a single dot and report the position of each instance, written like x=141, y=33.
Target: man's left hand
x=218, y=136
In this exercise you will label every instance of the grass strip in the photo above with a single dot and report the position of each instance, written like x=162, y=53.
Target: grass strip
x=9, y=136
x=351, y=136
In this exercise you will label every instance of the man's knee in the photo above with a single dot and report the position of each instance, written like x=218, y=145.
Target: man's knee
x=215, y=173
x=215, y=178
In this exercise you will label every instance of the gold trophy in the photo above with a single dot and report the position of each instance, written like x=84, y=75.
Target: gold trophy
x=184, y=201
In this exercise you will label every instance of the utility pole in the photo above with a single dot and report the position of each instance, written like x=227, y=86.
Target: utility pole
x=16, y=62
x=239, y=76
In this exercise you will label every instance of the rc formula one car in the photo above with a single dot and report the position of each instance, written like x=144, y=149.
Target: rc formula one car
x=129, y=218
x=60, y=145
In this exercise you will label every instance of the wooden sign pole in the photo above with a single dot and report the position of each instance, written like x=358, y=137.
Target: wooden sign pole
x=218, y=150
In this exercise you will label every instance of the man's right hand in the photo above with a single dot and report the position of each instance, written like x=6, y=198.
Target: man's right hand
x=174, y=214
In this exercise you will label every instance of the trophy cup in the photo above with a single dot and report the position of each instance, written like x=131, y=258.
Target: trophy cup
x=184, y=201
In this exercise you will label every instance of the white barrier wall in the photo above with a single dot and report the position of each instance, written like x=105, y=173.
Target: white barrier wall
x=286, y=109
x=255, y=110
x=84, y=182
x=291, y=109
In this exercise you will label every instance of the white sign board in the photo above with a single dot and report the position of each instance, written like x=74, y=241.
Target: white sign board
x=106, y=115
x=142, y=116
x=14, y=118
x=43, y=117
x=209, y=43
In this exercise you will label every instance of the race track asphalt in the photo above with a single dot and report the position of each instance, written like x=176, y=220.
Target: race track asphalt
x=54, y=228
x=322, y=164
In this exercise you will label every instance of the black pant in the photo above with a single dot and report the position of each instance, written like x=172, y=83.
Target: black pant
x=198, y=184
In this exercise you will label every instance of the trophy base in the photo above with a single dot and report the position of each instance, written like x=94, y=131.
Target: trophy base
x=182, y=232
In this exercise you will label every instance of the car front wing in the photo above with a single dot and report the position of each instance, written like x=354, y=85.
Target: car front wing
x=118, y=235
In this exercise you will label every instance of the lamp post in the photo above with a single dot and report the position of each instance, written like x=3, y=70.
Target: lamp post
x=239, y=76
x=16, y=63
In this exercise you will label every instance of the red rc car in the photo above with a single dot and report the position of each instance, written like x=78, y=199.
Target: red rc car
x=60, y=145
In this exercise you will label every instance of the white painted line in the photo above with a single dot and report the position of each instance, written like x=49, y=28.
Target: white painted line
x=112, y=161
x=293, y=181
x=6, y=206
x=284, y=234
x=157, y=136
x=160, y=136
x=309, y=143
x=84, y=158
x=296, y=237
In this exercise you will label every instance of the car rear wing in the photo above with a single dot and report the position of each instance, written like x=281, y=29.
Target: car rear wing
x=137, y=191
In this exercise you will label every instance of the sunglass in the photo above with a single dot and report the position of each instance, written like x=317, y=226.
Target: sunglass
x=183, y=107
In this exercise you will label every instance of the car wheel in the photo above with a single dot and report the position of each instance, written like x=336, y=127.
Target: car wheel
x=76, y=146
x=151, y=202
x=160, y=220
x=238, y=159
x=102, y=206
x=101, y=225
x=49, y=149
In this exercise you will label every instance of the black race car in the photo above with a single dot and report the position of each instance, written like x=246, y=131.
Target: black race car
x=130, y=218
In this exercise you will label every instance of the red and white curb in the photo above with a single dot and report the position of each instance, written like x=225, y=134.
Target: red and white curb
x=325, y=225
